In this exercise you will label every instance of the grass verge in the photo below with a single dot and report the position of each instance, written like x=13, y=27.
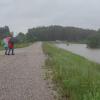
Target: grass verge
x=74, y=77
x=22, y=45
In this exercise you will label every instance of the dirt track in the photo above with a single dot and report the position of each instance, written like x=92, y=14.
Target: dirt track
x=21, y=75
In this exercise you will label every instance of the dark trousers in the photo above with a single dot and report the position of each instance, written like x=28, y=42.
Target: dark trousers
x=11, y=50
x=6, y=50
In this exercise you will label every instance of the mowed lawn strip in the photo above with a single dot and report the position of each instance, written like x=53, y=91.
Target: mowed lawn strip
x=74, y=77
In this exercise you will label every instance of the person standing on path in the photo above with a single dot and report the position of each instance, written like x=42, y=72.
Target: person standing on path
x=5, y=44
x=11, y=45
x=5, y=47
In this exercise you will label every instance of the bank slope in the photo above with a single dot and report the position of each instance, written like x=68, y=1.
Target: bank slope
x=74, y=77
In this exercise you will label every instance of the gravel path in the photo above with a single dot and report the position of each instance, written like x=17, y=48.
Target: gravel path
x=21, y=75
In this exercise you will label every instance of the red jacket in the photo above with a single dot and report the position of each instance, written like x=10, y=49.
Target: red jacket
x=10, y=45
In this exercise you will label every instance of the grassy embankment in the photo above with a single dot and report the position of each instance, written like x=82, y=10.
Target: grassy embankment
x=74, y=77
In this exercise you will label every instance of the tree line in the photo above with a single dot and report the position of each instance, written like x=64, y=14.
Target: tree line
x=70, y=34
x=4, y=31
x=94, y=41
x=53, y=33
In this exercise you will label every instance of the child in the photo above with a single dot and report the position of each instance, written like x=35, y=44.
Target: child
x=5, y=44
x=6, y=49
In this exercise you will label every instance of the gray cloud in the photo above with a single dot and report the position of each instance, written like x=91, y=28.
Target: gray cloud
x=23, y=14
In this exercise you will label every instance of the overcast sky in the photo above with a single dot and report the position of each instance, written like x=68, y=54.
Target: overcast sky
x=20, y=15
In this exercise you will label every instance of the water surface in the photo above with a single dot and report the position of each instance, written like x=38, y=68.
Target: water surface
x=82, y=50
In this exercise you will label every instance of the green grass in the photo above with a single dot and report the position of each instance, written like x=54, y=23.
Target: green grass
x=74, y=77
x=22, y=45
x=1, y=48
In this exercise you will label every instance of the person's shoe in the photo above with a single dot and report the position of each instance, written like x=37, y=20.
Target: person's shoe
x=13, y=54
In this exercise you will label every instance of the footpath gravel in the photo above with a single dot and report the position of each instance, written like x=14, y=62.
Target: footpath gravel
x=21, y=75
